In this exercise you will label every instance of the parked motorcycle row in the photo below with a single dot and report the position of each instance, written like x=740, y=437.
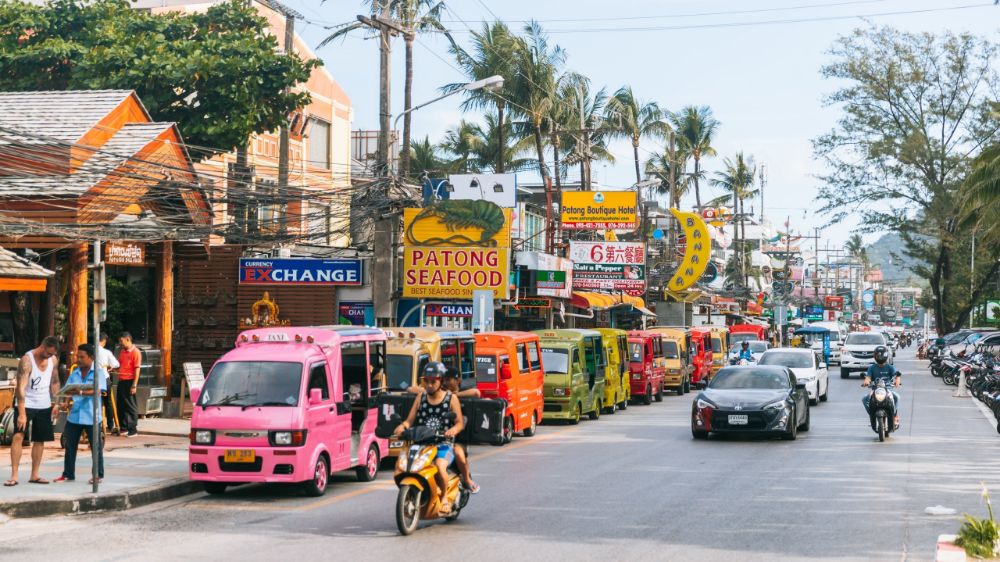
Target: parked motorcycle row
x=972, y=353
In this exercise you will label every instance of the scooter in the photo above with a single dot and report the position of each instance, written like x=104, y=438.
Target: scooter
x=881, y=410
x=416, y=476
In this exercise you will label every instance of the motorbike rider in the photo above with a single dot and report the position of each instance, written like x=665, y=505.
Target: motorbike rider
x=429, y=410
x=745, y=353
x=882, y=370
x=452, y=384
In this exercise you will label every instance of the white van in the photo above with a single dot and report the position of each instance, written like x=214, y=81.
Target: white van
x=838, y=333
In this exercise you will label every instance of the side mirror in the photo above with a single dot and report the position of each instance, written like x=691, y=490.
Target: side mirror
x=821, y=366
x=800, y=385
x=505, y=374
x=315, y=396
x=195, y=394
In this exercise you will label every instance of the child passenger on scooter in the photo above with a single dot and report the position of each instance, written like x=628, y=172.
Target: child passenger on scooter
x=452, y=384
x=430, y=410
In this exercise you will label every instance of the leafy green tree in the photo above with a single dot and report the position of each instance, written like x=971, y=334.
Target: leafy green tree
x=635, y=119
x=493, y=54
x=915, y=107
x=424, y=158
x=501, y=150
x=537, y=66
x=981, y=195
x=737, y=179
x=695, y=128
x=585, y=116
x=218, y=74
x=463, y=142
x=658, y=167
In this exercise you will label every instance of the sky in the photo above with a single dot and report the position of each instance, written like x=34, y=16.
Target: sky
x=756, y=63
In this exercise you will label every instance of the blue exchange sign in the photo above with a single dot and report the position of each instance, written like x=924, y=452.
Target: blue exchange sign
x=301, y=271
x=448, y=310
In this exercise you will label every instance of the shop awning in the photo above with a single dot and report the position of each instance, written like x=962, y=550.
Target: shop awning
x=602, y=301
x=686, y=296
x=19, y=274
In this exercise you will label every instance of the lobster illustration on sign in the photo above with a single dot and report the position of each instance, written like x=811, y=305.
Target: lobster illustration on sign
x=460, y=214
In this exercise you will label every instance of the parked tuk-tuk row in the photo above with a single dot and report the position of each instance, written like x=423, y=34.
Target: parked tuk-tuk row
x=294, y=404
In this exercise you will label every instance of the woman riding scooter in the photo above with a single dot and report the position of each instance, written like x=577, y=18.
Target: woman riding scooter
x=430, y=411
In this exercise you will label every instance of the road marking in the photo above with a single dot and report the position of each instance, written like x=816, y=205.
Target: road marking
x=986, y=413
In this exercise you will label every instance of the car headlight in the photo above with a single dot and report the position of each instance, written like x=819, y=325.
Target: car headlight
x=845, y=353
x=880, y=394
x=717, y=362
x=559, y=392
x=702, y=404
x=636, y=376
x=776, y=406
x=202, y=437
x=674, y=371
x=289, y=438
x=423, y=460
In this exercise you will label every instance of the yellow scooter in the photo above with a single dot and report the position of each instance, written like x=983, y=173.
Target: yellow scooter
x=416, y=477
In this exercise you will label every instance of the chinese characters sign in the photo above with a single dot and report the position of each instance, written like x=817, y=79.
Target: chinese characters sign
x=599, y=210
x=610, y=266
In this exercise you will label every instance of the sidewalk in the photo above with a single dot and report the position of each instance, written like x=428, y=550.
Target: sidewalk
x=138, y=471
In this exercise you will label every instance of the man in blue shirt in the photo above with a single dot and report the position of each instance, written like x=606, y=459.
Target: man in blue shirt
x=745, y=353
x=882, y=370
x=81, y=415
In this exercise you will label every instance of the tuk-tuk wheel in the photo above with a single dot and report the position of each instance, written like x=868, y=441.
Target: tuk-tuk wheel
x=659, y=394
x=577, y=414
x=596, y=412
x=368, y=471
x=529, y=431
x=647, y=398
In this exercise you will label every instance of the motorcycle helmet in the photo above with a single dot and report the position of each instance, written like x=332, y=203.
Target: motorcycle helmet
x=451, y=373
x=434, y=370
x=745, y=344
x=881, y=355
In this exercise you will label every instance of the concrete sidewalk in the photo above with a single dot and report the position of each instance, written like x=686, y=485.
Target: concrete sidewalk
x=165, y=427
x=138, y=471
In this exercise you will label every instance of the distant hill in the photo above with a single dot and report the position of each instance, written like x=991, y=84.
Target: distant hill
x=887, y=252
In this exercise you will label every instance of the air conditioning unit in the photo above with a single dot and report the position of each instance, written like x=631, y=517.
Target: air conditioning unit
x=281, y=253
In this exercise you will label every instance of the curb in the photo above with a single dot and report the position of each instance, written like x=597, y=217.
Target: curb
x=114, y=501
x=947, y=551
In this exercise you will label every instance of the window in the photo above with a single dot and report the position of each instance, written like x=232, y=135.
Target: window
x=246, y=383
x=486, y=368
x=534, y=357
x=319, y=143
x=522, y=357
x=354, y=366
x=556, y=359
x=318, y=379
x=670, y=350
x=376, y=361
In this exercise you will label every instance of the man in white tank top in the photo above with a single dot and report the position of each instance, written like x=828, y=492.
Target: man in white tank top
x=37, y=383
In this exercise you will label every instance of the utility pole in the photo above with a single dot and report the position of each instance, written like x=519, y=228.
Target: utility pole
x=386, y=28
x=763, y=182
x=284, y=150
x=100, y=296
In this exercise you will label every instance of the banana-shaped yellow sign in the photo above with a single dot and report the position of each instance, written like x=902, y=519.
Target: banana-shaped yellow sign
x=696, y=254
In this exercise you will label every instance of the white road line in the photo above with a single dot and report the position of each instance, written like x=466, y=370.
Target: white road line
x=986, y=412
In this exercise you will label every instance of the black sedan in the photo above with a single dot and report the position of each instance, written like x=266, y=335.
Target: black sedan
x=756, y=399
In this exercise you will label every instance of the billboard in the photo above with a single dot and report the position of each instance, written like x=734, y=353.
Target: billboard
x=299, y=271
x=452, y=248
x=498, y=188
x=599, y=210
x=609, y=266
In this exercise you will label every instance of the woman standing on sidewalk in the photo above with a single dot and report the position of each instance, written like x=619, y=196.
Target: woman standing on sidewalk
x=81, y=415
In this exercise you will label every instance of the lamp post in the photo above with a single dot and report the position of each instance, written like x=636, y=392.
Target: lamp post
x=492, y=84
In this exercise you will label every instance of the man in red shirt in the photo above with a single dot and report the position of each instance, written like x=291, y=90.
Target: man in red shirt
x=130, y=360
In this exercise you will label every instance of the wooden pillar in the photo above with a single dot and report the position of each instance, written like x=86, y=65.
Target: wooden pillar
x=48, y=308
x=165, y=311
x=77, y=332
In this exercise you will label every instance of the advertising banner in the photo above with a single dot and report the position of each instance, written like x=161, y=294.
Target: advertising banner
x=453, y=248
x=610, y=266
x=448, y=310
x=125, y=253
x=697, y=251
x=299, y=271
x=357, y=313
x=599, y=210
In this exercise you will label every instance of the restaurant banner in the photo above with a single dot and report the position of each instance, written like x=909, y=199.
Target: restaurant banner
x=452, y=248
x=599, y=210
x=299, y=271
x=609, y=266
x=124, y=253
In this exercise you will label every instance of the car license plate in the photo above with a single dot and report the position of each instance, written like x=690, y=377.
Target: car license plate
x=738, y=420
x=395, y=444
x=241, y=455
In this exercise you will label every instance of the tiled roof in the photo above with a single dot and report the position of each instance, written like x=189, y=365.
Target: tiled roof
x=63, y=115
x=132, y=138
x=13, y=265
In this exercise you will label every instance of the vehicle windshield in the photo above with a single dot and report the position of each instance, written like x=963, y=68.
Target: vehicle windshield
x=556, y=361
x=741, y=337
x=955, y=337
x=787, y=359
x=865, y=339
x=398, y=371
x=758, y=346
x=716, y=345
x=670, y=350
x=486, y=368
x=973, y=337
x=252, y=383
x=759, y=379
x=635, y=352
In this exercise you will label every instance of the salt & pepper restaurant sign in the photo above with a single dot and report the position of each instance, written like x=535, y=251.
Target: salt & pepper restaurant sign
x=609, y=266
x=299, y=271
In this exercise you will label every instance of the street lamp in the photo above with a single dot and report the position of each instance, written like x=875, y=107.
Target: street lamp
x=491, y=84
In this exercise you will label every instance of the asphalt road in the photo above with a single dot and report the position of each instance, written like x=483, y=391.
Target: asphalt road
x=633, y=486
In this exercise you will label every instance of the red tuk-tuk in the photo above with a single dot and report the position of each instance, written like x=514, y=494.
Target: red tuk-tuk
x=647, y=364
x=701, y=355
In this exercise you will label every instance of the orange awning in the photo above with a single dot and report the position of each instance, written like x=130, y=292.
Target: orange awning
x=22, y=284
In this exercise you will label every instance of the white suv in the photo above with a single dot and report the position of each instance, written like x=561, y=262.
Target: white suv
x=859, y=352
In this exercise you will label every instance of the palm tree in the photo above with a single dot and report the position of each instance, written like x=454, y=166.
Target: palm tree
x=490, y=155
x=696, y=127
x=635, y=119
x=855, y=247
x=493, y=51
x=462, y=142
x=537, y=64
x=737, y=179
x=980, y=195
x=424, y=158
x=585, y=116
x=659, y=165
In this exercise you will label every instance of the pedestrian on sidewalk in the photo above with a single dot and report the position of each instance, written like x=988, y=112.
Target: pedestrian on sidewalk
x=129, y=359
x=106, y=362
x=36, y=386
x=81, y=415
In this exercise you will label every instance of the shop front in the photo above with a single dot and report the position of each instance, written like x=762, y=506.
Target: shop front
x=544, y=290
x=21, y=282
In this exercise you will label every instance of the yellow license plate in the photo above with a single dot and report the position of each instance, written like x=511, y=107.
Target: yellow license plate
x=241, y=455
